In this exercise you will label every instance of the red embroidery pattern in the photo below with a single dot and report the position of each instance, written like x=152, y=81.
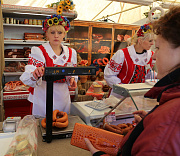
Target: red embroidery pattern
x=54, y=57
x=34, y=62
x=115, y=67
x=139, y=74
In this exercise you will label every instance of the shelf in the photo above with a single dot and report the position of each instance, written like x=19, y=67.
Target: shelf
x=101, y=53
x=103, y=40
x=22, y=25
x=81, y=39
x=12, y=73
x=16, y=59
x=82, y=52
x=28, y=11
x=34, y=42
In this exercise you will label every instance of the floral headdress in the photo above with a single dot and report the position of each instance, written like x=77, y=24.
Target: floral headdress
x=146, y=28
x=56, y=20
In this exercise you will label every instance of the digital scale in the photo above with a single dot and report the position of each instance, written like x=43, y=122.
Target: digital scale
x=64, y=132
x=52, y=74
x=93, y=117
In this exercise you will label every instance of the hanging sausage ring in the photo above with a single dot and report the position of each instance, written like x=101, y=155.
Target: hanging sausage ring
x=105, y=61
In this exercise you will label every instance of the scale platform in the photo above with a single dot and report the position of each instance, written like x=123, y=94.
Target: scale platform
x=62, y=133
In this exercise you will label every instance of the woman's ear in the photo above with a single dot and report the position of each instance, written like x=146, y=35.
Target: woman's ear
x=64, y=34
x=139, y=41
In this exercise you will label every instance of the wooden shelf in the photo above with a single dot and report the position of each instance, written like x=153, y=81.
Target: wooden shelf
x=33, y=42
x=101, y=53
x=12, y=73
x=22, y=25
x=107, y=30
x=86, y=39
x=16, y=59
x=28, y=11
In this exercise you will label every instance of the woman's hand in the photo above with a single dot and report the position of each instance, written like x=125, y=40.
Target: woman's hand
x=90, y=146
x=138, y=115
x=73, y=84
x=38, y=72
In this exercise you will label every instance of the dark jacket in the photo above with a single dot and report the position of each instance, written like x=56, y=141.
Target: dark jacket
x=158, y=134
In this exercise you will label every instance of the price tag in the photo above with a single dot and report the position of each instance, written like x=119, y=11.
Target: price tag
x=110, y=118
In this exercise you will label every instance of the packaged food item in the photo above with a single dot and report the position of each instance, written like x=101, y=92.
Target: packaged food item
x=30, y=22
x=26, y=21
x=11, y=20
x=34, y=21
x=14, y=21
x=39, y=22
x=25, y=139
x=7, y=20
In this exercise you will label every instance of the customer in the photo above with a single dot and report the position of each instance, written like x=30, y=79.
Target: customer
x=51, y=54
x=158, y=133
x=131, y=64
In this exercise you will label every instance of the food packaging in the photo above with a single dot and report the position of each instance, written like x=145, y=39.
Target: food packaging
x=25, y=139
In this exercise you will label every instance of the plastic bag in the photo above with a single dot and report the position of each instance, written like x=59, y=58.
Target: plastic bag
x=24, y=142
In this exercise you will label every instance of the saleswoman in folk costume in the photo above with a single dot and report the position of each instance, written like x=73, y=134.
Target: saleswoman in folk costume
x=131, y=64
x=51, y=54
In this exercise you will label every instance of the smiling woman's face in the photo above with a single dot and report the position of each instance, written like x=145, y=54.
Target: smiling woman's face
x=167, y=58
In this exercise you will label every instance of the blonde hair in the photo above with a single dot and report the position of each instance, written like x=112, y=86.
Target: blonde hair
x=58, y=28
x=134, y=40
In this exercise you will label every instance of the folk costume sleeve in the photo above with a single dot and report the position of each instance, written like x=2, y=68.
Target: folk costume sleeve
x=113, y=68
x=36, y=59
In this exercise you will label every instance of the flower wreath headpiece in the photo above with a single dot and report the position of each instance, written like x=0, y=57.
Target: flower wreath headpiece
x=146, y=28
x=55, y=20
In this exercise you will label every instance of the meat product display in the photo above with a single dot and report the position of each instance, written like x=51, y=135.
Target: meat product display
x=60, y=119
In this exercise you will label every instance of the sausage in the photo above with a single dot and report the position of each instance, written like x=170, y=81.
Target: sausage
x=116, y=127
x=98, y=61
x=105, y=61
x=126, y=130
x=61, y=124
x=55, y=114
x=43, y=123
x=63, y=117
x=122, y=125
x=110, y=128
x=94, y=61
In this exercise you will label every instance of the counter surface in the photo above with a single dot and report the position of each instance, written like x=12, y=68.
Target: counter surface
x=58, y=147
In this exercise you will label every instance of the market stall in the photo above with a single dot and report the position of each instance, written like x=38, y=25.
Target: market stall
x=91, y=106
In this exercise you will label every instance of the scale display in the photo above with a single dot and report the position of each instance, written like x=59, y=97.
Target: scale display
x=69, y=71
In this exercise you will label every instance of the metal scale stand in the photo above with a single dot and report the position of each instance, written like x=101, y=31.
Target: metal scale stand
x=56, y=73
